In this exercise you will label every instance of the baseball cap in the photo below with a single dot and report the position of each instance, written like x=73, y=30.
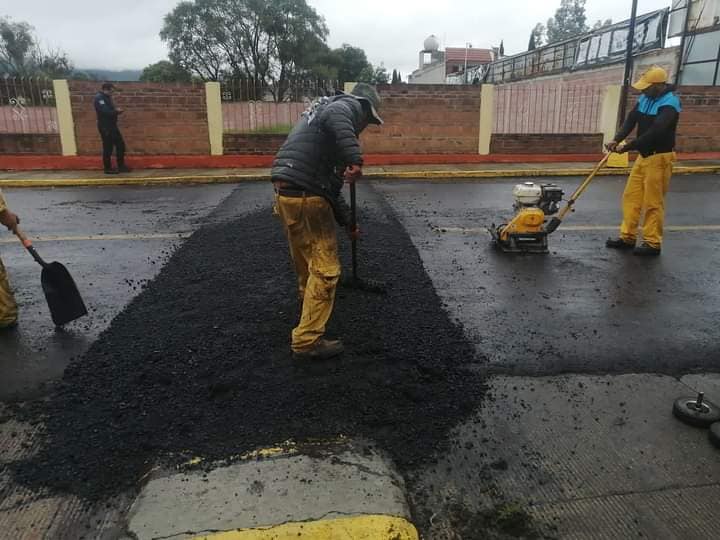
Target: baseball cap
x=369, y=95
x=654, y=75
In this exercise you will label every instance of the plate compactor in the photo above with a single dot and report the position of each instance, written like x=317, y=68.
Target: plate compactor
x=527, y=232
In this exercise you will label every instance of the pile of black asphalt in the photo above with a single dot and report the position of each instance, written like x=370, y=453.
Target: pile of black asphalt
x=198, y=364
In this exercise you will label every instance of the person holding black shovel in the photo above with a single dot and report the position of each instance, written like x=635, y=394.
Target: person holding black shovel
x=8, y=306
x=319, y=155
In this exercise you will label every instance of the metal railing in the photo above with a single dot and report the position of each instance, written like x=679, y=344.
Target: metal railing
x=603, y=46
x=27, y=106
x=542, y=108
x=257, y=107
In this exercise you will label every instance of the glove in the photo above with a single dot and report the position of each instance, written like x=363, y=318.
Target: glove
x=611, y=146
x=10, y=220
x=623, y=148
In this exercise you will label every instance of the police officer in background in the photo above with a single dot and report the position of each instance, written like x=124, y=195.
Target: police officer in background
x=107, y=117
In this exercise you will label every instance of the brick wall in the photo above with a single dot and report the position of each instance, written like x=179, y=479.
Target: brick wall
x=40, y=144
x=553, y=143
x=158, y=118
x=259, y=144
x=425, y=119
x=699, y=128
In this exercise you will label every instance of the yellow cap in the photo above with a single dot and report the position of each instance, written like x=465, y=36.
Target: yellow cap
x=654, y=75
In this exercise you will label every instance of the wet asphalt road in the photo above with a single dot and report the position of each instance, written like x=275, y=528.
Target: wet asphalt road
x=581, y=308
x=133, y=230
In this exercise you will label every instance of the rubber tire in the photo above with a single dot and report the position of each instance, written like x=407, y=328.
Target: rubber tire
x=714, y=434
x=694, y=418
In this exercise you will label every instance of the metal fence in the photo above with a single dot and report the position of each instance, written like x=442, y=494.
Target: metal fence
x=602, y=46
x=551, y=107
x=256, y=107
x=27, y=106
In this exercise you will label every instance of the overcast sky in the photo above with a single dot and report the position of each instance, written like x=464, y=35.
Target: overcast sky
x=123, y=34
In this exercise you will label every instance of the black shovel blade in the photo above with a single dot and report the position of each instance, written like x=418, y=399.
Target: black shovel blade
x=62, y=294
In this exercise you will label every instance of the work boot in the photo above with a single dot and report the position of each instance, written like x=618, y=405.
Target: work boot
x=619, y=243
x=124, y=169
x=323, y=349
x=646, y=250
x=111, y=171
x=8, y=327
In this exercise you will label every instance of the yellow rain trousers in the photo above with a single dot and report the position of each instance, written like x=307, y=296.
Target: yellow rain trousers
x=646, y=188
x=310, y=227
x=8, y=307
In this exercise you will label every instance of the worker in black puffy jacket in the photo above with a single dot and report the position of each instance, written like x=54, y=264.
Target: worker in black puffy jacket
x=107, y=119
x=320, y=154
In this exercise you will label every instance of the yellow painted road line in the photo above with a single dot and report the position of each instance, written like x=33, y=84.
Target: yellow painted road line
x=582, y=228
x=435, y=175
x=367, y=527
x=101, y=237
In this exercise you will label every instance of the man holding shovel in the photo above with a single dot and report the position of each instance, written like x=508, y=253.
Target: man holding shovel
x=320, y=154
x=8, y=307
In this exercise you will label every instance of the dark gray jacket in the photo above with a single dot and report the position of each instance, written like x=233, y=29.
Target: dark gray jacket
x=319, y=148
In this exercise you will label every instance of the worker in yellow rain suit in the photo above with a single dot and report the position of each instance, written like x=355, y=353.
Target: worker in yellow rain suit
x=656, y=116
x=8, y=307
x=321, y=152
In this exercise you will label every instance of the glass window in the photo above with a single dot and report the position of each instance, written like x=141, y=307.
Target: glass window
x=582, y=52
x=593, y=49
x=619, y=41
x=604, y=51
x=652, y=29
x=698, y=74
x=702, y=47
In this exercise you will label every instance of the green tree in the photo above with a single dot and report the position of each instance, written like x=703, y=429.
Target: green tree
x=263, y=41
x=22, y=56
x=569, y=21
x=374, y=75
x=600, y=24
x=165, y=72
x=537, y=37
x=394, y=79
x=352, y=61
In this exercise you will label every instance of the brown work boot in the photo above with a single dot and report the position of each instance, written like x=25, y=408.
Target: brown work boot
x=619, y=243
x=322, y=349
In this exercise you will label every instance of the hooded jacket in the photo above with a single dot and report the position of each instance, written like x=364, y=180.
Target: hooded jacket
x=656, y=120
x=319, y=148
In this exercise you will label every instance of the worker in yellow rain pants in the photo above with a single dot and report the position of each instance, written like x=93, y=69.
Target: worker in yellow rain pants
x=310, y=227
x=320, y=154
x=656, y=116
x=8, y=307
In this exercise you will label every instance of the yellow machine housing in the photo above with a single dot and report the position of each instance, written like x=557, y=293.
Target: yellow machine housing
x=527, y=220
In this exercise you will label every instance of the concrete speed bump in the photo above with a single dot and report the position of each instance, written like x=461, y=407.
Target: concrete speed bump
x=350, y=492
x=355, y=528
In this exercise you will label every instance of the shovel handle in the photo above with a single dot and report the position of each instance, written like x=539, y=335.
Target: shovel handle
x=27, y=243
x=353, y=224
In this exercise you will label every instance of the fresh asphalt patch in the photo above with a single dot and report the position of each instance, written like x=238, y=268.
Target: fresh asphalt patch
x=199, y=365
